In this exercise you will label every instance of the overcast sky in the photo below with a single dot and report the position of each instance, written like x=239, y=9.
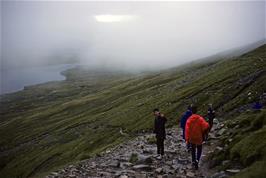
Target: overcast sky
x=129, y=35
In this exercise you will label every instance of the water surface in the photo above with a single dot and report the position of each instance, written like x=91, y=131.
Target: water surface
x=16, y=79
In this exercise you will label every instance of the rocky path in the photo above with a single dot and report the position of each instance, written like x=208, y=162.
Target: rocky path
x=137, y=158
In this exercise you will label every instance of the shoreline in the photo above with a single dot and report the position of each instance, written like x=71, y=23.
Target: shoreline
x=60, y=73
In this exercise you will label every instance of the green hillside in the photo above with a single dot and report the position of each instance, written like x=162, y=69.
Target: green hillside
x=50, y=125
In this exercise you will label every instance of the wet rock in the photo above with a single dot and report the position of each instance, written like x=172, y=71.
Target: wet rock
x=129, y=172
x=107, y=151
x=71, y=175
x=221, y=132
x=124, y=165
x=189, y=166
x=182, y=171
x=182, y=176
x=183, y=160
x=159, y=170
x=170, y=151
x=142, y=159
x=118, y=173
x=218, y=148
x=123, y=176
x=190, y=174
x=175, y=167
x=236, y=127
x=140, y=175
x=215, y=121
x=103, y=165
x=169, y=162
x=114, y=164
x=93, y=165
x=143, y=167
x=107, y=174
x=219, y=175
x=234, y=171
x=168, y=170
x=163, y=176
x=54, y=173
x=226, y=162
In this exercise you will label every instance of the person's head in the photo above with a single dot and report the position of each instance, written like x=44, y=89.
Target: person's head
x=189, y=107
x=210, y=106
x=156, y=112
x=194, y=109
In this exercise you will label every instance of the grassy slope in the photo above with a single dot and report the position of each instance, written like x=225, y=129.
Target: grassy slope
x=246, y=149
x=50, y=125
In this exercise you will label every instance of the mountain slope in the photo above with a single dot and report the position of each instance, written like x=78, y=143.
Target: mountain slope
x=47, y=126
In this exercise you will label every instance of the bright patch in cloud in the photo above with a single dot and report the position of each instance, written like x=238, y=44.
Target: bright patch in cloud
x=113, y=18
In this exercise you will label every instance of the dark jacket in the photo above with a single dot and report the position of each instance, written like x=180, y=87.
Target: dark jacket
x=184, y=118
x=211, y=114
x=159, y=126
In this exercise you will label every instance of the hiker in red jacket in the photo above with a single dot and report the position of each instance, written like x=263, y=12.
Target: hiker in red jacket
x=196, y=128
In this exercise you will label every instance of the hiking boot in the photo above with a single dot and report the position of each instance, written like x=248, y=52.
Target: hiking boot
x=198, y=162
x=196, y=165
x=188, y=149
x=159, y=157
x=156, y=156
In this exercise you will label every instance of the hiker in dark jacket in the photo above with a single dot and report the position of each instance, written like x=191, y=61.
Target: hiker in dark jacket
x=211, y=116
x=257, y=106
x=159, y=130
x=183, y=122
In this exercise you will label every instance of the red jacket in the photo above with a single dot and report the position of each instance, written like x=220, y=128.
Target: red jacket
x=196, y=127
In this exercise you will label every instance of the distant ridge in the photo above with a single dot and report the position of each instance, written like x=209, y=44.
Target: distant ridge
x=231, y=53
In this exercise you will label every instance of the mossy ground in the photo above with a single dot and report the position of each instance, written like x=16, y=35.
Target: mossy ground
x=248, y=146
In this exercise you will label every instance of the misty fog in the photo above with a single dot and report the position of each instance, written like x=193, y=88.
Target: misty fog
x=128, y=35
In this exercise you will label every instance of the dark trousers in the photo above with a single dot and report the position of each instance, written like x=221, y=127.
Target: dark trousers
x=160, y=145
x=184, y=137
x=196, y=148
x=210, y=124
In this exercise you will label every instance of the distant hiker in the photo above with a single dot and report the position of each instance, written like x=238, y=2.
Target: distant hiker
x=211, y=116
x=196, y=126
x=183, y=122
x=159, y=130
x=257, y=106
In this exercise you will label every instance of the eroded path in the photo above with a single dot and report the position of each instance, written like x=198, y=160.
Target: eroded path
x=137, y=158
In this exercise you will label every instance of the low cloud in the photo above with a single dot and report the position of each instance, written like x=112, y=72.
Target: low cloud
x=127, y=35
